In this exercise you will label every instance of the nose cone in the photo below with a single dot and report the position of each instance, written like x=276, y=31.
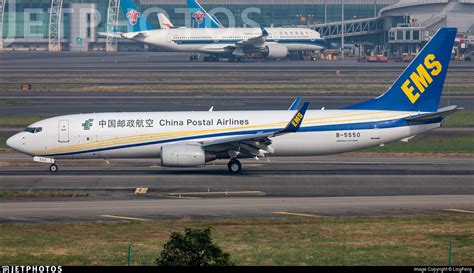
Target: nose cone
x=14, y=142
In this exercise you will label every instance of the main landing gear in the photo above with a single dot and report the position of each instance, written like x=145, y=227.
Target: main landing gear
x=211, y=58
x=53, y=168
x=234, y=166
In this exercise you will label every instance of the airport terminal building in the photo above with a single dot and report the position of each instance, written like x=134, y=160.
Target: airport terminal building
x=400, y=26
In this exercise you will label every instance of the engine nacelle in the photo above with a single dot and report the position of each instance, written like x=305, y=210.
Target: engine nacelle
x=184, y=155
x=275, y=51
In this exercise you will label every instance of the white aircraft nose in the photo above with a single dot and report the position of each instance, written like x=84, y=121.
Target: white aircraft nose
x=14, y=142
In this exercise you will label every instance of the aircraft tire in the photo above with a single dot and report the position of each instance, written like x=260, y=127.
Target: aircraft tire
x=53, y=168
x=234, y=166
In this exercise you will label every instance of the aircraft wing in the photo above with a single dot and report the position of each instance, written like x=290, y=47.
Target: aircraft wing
x=257, y=144
x=255, y=41
x=138, y=36
x=238, y=47
x=124, y=35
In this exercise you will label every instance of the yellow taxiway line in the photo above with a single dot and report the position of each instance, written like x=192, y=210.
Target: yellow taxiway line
x=297, y=214
x=461, y=211
x=124, y=218
x=205, y=193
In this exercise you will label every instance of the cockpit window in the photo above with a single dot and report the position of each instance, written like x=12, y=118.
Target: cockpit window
x=33, y=130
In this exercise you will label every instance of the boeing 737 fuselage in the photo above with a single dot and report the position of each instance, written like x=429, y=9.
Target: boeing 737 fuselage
x=190, y=139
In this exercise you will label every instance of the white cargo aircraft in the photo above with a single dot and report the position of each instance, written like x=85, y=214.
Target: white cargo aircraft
x=190, y=139
x=231, y=43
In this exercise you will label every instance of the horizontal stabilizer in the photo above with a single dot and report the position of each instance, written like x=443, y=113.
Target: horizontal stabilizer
x=111, y=34
x=441, y=113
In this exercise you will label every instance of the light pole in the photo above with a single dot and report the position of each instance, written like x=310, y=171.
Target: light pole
x=325, y=11
x=375, y=8
x=342, y=29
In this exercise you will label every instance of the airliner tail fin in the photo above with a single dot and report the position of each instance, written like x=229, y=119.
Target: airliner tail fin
x=201, y=18
x=165, y=23
x=420, y=86
x=136, y=21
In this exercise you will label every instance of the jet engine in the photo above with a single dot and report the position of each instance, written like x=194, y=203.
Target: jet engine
x=275, y=51
x=184, y=155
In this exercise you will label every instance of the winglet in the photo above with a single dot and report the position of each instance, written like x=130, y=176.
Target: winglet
x=296, y=121
x=295, y=104
x=264, y=32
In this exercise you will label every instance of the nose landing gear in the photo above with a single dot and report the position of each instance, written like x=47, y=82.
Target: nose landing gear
x=234, y=166
x=53, y=168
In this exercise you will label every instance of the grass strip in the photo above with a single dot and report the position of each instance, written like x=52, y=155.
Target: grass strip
x=407, y=240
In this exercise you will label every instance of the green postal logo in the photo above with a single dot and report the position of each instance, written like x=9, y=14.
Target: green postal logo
x=87, y=124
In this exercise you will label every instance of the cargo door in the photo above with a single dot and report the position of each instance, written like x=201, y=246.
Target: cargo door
x=375, y=133
x=63, y=131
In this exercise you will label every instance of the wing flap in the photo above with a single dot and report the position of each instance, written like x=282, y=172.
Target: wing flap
x=235, y=139
x=217, y=49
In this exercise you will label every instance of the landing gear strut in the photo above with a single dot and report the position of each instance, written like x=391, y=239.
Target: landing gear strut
x=211, y=58
x=53, y=168
x=234, y=166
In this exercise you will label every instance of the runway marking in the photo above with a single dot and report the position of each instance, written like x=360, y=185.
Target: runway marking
x=204, y=193
x=141, y=190
x=125, y=218
x=461, y=211
x=297, y=214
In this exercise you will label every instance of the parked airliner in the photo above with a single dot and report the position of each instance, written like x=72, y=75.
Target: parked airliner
x=190, y=139
x=219, y=42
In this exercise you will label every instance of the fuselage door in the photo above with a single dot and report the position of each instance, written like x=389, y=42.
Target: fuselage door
x=375, y=133
x=63, y=131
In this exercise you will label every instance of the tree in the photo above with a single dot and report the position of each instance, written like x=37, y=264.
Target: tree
x=194, y=248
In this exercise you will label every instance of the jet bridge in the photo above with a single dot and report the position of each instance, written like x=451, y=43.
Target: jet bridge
x=350, y=28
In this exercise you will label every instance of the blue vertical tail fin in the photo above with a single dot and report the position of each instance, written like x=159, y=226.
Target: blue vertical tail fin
x=136, y=21
x=420, y=85
x=200, y=18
